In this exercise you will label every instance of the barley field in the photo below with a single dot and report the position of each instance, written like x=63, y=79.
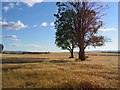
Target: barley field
x=57, y=70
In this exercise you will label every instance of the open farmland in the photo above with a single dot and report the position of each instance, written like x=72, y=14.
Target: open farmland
x=57, y=70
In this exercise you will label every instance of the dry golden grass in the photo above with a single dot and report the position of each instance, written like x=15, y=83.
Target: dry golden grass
x=56, y=70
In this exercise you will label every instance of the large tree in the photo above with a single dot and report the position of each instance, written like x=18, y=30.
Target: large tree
x=86, y=21
x=65, y=38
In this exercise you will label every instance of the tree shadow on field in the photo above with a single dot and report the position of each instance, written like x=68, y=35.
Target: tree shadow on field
x=59, y=61
x=22, y=60
x=14, y=60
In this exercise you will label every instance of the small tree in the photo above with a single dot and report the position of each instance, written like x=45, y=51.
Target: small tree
x=86, y=21
x=65, y=32
x=1, y=47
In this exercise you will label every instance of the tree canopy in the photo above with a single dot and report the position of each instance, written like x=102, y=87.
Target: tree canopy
x=65, y=38
x=1, y=47
x=85, y=20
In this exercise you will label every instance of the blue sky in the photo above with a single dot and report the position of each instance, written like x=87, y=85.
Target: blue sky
x=30, y=26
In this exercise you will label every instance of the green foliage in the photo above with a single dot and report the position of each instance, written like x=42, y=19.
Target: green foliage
x=1, y=47
x=82, y=20
x=65, y=38
x=85, y=19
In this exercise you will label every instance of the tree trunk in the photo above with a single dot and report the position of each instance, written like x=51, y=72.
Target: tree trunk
x=81, y=50
x=82, y=54
x=71, y=54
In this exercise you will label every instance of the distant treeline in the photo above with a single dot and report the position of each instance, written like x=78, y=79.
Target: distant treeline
x=110, y=52
x=14, y=52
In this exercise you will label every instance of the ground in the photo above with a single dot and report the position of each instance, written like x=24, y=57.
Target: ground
x=57, y=70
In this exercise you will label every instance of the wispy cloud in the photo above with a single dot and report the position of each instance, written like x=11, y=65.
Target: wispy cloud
x=16, y=42
x=52, y=28
x=15, y=39
x=0, y=18
x=4, y=0
x=18, y=25
x=14, y=45
x=35, y=26
x=52, y=24
x=44, y=24
x=17, y=3
x=33, y=46
x=31, y=3
x=10, y=6
x=8, y=36
x=107, y=29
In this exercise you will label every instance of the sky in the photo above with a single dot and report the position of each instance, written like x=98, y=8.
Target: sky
x=29, y=26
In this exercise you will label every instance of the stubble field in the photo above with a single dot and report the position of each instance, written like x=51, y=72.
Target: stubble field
x=57, y=70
